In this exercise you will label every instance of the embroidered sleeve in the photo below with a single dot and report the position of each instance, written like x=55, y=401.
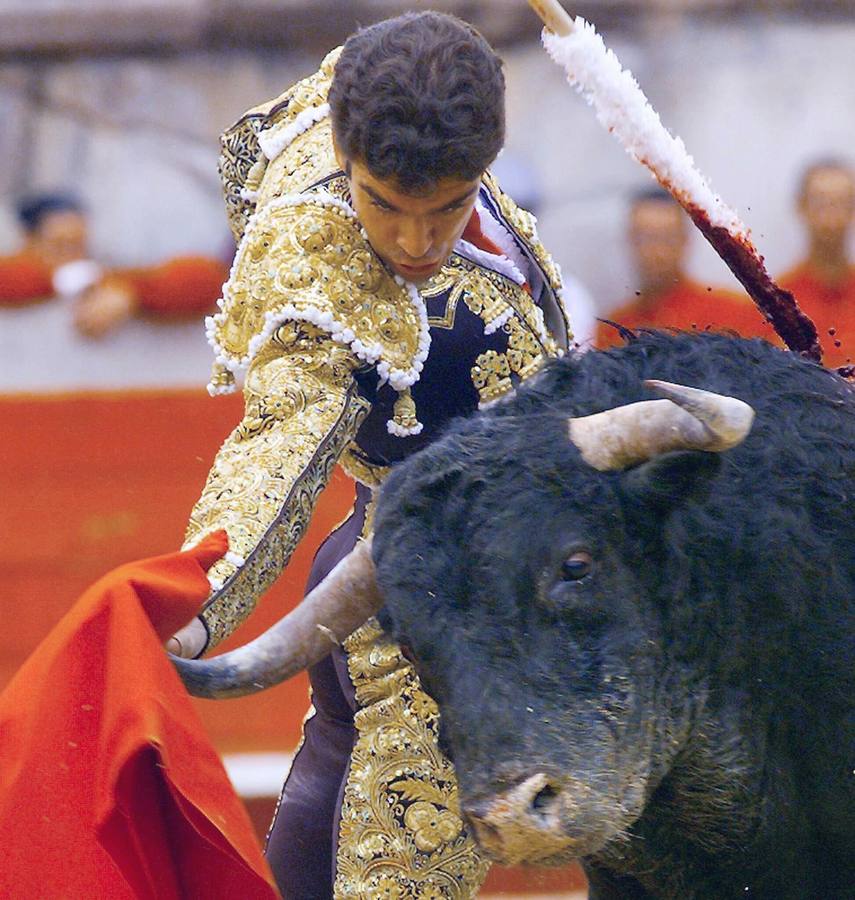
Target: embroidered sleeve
x=301, y=410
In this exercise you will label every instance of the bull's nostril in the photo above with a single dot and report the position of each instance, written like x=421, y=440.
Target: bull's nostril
x=544, y=799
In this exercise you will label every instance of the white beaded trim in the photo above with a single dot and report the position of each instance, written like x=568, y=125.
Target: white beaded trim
x=220, y=390
x=500, y=320
x=399, y=431
x=399, y=379
x=501, y=264
x=541, y=325
x=275, y=140
x=495, y=230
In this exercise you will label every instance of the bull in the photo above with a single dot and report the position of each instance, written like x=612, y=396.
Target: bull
x=637, y=622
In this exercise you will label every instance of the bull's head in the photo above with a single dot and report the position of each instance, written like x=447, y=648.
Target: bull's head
x=501, y=573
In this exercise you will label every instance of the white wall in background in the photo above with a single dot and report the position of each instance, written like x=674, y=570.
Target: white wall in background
x=753, y=101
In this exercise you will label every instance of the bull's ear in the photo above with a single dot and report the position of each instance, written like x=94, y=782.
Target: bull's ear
x=673, y=478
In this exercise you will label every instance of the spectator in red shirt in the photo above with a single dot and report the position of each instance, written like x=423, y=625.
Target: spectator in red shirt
x=666, y=297
x=55, y=233
x=54, y=259
x=824, y=282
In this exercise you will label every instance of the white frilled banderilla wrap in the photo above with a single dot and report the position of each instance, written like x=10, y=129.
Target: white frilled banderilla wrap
x=687, y=419
x=622, y=109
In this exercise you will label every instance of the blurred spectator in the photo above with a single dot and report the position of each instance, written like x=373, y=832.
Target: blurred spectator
x=54, y=260
x=55, y=233
x=666, y=296
x=824, y=283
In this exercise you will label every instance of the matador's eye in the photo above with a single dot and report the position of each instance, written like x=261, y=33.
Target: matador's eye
x=577, y=566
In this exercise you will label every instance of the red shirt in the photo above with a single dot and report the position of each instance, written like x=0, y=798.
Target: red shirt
x=832, y=308
x=24, y=279
x=688, y=306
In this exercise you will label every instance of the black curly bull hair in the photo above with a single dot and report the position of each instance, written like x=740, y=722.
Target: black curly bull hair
x=740, y=564
x=419, y=98
x=785, y=494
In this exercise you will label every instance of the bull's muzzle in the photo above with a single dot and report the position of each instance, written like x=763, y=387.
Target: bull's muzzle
x=526, y=823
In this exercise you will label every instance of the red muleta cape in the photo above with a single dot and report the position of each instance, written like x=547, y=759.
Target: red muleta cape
x=109, y=786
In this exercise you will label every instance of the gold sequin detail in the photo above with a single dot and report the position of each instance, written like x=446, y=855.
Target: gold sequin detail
x=301, y=410
x=491, y=376
x=242, y=164
x=525, y=354
x=401, y=832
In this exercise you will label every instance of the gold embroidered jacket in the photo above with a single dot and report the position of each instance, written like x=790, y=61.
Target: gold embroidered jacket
x=337, y=352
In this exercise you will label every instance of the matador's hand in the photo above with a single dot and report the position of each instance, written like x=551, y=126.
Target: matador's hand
x=190, y=641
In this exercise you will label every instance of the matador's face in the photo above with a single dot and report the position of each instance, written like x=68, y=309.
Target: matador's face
x=413, y=234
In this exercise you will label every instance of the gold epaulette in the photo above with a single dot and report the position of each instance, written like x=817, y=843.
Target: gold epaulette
x=304, y=258
x=243, y=160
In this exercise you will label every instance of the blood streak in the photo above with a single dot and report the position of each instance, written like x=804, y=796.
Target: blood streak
x=779, y=307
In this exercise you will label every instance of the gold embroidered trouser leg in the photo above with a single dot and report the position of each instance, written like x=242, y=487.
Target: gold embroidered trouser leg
x=401, y=834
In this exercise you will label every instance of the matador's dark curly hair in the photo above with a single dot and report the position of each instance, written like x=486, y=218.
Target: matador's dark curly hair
x=419, y=98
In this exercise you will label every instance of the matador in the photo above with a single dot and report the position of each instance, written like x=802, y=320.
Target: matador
x=383, y=285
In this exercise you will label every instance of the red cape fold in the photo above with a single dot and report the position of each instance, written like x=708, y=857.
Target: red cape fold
x=109, y=786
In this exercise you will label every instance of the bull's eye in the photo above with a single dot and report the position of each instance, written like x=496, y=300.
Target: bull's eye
x=577, y=566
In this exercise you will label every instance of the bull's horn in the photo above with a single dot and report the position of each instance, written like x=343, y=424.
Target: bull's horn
x=343, y=601
x=689, y=419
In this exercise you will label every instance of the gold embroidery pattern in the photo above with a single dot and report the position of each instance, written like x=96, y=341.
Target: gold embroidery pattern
x=491, y=376
x=239, y=152
x=302, y=409
x=524, y=225
x=310, y=259
x=355, y=464
x=308, y=159
x=242, y=163
x=488, y=295
x=525, y=355
x=492, y=371
x=401, y=832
